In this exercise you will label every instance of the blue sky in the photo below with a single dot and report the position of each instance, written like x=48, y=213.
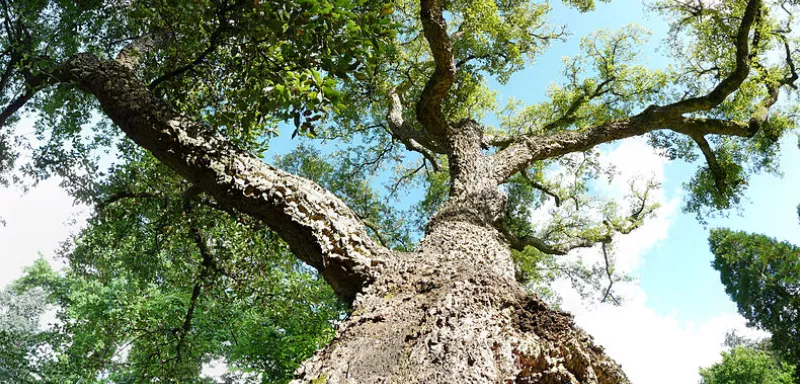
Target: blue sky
x=676, y=314
x=679, y=311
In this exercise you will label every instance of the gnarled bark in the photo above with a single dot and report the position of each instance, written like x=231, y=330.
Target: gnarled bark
x=444, y=315
x=319, y=228
x=450, y=312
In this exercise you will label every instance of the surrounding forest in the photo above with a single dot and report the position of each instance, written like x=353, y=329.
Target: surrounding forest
x=310, y=267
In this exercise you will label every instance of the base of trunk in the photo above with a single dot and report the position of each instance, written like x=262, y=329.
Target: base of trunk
x=448, y=323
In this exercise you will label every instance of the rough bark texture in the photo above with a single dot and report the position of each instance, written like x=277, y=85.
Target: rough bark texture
x=449, y=313
x=319, y=228
x=444, y=315
x=452, y=312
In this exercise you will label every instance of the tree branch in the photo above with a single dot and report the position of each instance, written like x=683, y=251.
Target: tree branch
x=561, y=249
x=610, y=274
x=735, y=79
x=213, y=43
x=520, y=152
x=528, y=149
x=131, y=54
x=541, y=188
x=711, y=159
x=113, y=198
x=319, y=228
x=400, y=130
x=429, y=106
x=207, y=267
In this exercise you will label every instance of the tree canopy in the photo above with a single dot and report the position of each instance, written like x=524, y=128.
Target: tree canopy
x=762, y=276
x=743, y=365
x=200, y=248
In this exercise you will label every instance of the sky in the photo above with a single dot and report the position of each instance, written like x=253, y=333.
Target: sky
x=676, y=312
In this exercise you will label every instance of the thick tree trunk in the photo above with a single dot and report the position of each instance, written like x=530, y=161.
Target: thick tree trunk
x=452, y=313
x=449, y=313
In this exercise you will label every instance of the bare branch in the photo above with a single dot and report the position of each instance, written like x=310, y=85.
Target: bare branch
x=528, y=149
x=557, y=249
x=609, y=273
x=400, y=130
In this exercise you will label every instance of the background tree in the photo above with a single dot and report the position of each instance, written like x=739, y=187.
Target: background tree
x=20, y=313
x=202, y=86
x=762, y=276
x=747, y=365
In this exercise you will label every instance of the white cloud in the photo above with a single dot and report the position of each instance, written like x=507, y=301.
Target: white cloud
x=635, y=160
x=654, y=348
x=651, y=347
x=36, y=222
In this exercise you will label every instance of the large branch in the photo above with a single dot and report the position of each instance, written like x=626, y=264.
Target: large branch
x=319, y=228
x=734, y=80
x=411, y=138
x=556, y=249
x=429, y=106
x=529, y=149
x=130, y=56
x=519, y=152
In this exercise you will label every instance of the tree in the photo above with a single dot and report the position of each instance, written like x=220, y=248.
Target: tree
x=19, y=322
x=201, y=85
x=762, y=276
x=747, y=365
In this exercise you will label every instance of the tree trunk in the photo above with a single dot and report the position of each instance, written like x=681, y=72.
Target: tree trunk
x=452, y=313
x=449, y=313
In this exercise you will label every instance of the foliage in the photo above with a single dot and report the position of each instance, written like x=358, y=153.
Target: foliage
x=170, y=279
x=20, y=312
x=743, y=365
x=762, y=276
x=160, y=283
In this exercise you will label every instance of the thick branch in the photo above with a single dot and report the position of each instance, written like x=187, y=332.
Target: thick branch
x=33, y=84
x=735, y=79
x=411, y=138
x=520, y=152
x=131, y=54
x=711, y=159
x=319, y=228
x=528, y=149
x=556, y=249
x=429, y=106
